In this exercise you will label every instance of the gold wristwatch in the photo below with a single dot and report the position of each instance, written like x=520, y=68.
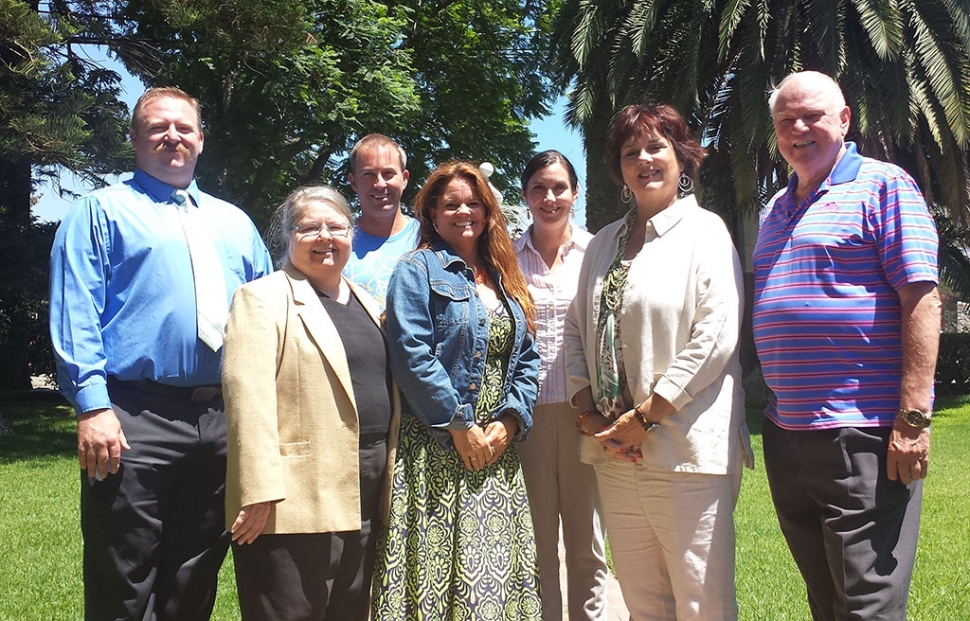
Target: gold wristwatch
x=917, y=419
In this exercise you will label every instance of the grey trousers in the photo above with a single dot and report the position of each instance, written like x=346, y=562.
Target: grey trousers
x=560, y=486
x=851, y=531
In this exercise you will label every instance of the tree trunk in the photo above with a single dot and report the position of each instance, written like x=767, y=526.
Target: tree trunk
x=602, y=195
x=16, y=312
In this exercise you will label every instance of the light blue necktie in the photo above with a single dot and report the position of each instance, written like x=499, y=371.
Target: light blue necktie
x=211, y=306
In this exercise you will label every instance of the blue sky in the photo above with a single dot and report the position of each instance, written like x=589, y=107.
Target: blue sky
x=550, y=132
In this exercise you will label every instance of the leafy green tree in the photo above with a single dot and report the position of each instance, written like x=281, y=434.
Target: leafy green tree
x=287, y=87
x=284, y=85
x=288, y=90
x=481, y=72
x=56, y=111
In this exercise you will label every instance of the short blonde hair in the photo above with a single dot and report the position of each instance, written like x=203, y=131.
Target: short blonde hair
x=158, y=92
x=376, y=141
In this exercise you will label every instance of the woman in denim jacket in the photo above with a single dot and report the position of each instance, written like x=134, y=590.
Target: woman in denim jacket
x=460, y=543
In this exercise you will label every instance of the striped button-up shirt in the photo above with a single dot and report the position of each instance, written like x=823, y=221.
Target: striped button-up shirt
x=552, y=294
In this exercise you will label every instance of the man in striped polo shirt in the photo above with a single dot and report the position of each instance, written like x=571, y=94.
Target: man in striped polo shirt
x=846, y=321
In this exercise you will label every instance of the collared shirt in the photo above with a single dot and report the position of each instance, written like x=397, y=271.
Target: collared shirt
x=122, y=295
x=552, y=295
x=373, y=258
x=827, y=318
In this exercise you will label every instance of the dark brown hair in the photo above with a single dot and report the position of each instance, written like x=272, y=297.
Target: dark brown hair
x=635, y=120
x=545, y=159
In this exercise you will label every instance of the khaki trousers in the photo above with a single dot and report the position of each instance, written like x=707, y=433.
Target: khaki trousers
x=560, y=487
x=672, y=541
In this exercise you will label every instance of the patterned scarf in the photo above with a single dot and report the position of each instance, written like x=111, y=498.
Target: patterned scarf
x=611, y=376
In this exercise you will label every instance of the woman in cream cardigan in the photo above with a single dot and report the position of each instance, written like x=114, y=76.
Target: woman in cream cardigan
x=309, y=406
x=652, y=365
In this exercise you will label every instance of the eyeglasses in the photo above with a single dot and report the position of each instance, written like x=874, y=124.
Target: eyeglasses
x=315, y=229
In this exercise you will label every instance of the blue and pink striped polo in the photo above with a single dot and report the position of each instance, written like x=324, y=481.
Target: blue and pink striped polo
x=826, y=313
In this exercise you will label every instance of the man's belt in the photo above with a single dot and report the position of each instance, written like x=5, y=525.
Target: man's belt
x=195, y=394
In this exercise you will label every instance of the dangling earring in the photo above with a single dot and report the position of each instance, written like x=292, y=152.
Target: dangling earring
x=685, y=185
x=626, y=194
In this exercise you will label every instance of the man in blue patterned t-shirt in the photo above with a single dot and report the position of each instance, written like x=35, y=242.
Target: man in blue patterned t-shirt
x=378, y=174
x=846, y=320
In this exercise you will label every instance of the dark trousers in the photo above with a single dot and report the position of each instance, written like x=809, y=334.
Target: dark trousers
x=851, y=531
x=315, y=576
x=154, y=533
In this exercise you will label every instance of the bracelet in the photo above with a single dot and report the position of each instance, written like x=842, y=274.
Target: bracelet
x=647, y=425
x=580, y=426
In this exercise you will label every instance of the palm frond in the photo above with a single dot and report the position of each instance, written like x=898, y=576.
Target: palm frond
x=882, y=22
x=943, y=70
x=731, y=17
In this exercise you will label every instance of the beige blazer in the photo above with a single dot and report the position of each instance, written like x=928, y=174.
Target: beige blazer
x=290, y=408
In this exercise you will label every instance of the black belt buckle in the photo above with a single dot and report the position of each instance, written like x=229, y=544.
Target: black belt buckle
x=204, y=394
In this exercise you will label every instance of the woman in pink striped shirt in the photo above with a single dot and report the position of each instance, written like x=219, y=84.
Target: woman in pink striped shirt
x=560, y=486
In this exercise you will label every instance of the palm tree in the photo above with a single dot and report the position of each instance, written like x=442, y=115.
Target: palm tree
x=617, y=52
x=904, y=66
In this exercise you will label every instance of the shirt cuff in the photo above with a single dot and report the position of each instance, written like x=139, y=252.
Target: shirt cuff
x=92, y=397
x=672, y=393
x=463, y=418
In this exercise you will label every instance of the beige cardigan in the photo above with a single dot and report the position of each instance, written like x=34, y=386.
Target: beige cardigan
x=680, y=321
x=290, y=409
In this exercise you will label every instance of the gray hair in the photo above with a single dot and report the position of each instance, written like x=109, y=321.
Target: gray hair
x=288, y=214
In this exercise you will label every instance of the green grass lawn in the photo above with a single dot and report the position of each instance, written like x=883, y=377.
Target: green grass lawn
x=40, y=544
x=769, y=586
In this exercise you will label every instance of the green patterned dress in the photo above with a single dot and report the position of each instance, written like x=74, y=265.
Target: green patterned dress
x=460, y=544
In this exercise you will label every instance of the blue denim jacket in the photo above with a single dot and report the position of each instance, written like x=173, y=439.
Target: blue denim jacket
x=437, y=336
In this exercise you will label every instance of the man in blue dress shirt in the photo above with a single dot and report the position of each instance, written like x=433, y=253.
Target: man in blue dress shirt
x=131, y=293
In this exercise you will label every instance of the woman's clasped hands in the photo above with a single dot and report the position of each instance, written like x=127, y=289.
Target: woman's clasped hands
x=621, y=440
x=611, y=434
x=483, y=446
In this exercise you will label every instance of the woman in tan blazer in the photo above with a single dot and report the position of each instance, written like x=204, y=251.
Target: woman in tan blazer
x=309, y=406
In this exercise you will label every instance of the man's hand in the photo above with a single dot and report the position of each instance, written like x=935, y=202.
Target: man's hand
x=909, y=453
x=100, y=441
x=250, y=522
x=909, y=447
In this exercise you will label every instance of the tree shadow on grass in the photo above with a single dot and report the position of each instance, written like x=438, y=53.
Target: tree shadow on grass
x=756, y=397
x=42, y=423
x=756, y=419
